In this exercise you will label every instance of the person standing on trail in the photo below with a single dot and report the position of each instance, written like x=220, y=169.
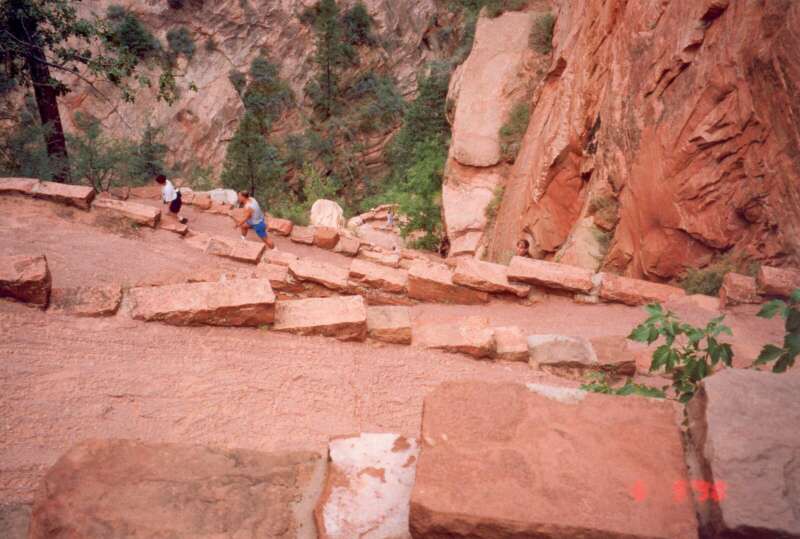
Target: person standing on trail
x=253, y=218
x=171, y=196
x=390, y=218
x=523, y=246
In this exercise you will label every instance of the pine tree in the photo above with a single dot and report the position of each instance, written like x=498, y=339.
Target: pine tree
x=251, y=163
x=332, y=54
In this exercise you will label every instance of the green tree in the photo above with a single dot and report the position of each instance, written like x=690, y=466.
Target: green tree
x=331, y=55
x=23, y=151
x=148, y=158
x=251, y=163
x=39, y=35
x=101, y=161
x=266, y=96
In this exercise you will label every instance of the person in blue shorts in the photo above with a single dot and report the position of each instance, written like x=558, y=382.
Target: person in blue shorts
x=253, y=218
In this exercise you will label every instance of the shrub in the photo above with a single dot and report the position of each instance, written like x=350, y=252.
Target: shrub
x=494, y=205
x=147, y=159
x=23, y=151
x=513, y=130
x=251, y=163
x=201, y=178
x=181, y=42
x=210, y=45
x=541, y=37
x=266, y=96
x=101, y=162
x=599, y=383
x=784, y=356
x=127, y=32
x=708, y=280
x=382, y=106
x=357, y=26
x=495, y=8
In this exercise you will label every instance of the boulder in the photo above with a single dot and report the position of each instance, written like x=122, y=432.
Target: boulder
x=237, y=302
x=281, y=227
x=302, y=234
x=486, y=276
x=17, y=186
x=561, y=355
x=80, y=196
x=90, y=301
x=376, y=276
x=241, y=251
x=125, y=488
x=25, y=278
x=367, y=491
x=384, y=258
x=328, y=275
x=343, y=317
x=224, y=196
x=140, y=214
x=201, y=201
x=777, y=282
x=506, y=460
x=635, y=291
x=326, y=237
x=511, y=344
x=434, y=282
x=738, y=289
x=614, y=354
x=389, y=323
x=550, y=274
x=743, y=427
x=347, y=245
x=327, y=213
x=172, y=225
x=282, y=258
x=473, y=337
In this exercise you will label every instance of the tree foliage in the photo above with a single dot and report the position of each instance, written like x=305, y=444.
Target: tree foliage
x=251, y=163
x=785, y=355
x=180, y=41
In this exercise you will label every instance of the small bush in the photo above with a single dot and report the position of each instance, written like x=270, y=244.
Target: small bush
x=494, y=205
x=541, y=37
x=605, y=208
x=495, y=8
x=357, y=25
x=210, y=45
x=127, y=32
x=181, y=42
x=599, y=383
x=513, y=130
x=201, y=178
x=238, y=80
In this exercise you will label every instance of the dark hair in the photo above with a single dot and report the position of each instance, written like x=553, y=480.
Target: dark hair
x=245, y=194
x=161, y=178
x=525, y=242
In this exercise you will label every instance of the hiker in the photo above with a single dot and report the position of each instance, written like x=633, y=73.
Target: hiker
x=390, y=218
x=523, y=246
x=171, y=196
x=444, y=247
x=253, y=218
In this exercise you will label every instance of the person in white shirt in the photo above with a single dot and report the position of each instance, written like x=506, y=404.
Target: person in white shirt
x=171, y=196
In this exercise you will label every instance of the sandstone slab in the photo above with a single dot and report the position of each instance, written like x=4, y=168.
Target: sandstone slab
x=17, y=186
x=278, y=276
x=328, y=275
x=561, y=355
x=368, y=487
x=778, y=282
x=26, y=279
x=376, y=276
x=326, y=213
x=738, y=289
x=282, y=258
x=140, y=214
x=744, y=428
x=347, y=245
x=172, y=225
x=472, y=337
x=343, y=317
x=201, y=201
x=302, y=234
x=220, y=208
x=389, y=323
x=241, y=251
x=550, y=274
x=511, y=344
x=80, y=196
x=506, y=460
x=281, y=227
x=636, y=291
x=125, y=488
x=434, y=282
x=238, y=302
x=486, y=276
x=326, y=237
x=89, y=301
x=384, y=258
x=614, y=354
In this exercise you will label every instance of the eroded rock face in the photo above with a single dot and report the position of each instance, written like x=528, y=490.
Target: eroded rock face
x=26, y=279
x=124, y=488
x=743, y=428
x=673, y=112
x=505, y=460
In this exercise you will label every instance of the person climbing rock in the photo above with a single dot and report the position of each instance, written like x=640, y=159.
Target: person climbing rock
x=253, y=218
x=523, y=247
x=171, y=196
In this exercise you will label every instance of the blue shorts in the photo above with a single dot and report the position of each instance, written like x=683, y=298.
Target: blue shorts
x=260, y=228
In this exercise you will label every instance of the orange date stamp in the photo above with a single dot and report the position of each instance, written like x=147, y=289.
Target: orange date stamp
x=704, y=491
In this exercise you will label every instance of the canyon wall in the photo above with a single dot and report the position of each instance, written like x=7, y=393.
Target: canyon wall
x=662, y=134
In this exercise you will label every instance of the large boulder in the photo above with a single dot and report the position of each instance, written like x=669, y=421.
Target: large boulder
x=223, y=196
x=79, y=196
x=777, y=282
x=327, y=213
x=636, y=291
x=487, y=276
x=368, y=487
x=471, y=336
x=140, y=214
x=550, y=274
x=376, y=276
x=434, y=283
x=743, y=426
x=90, y=301
x=328, y=275
x=125, y=488
x=26, y=279
x=237, y=302
x=506, y=460
x=737, y=289
x=343, y=317
x=389, y=323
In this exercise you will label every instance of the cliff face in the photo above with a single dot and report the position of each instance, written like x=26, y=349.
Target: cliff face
x=662, y=134
x=198, y=126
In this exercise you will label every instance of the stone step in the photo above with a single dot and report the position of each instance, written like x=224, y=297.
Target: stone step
x=377, y=276
x=302, y=234
x=89, y=301
x=241, y=251
x=384, y=258
x=79, y=196
x=171, y=225
x=342, y=317
x=636, y=291
x=281, y=227
x=347, y=245
x=472, y=337
x=328, y=275
x=738, y=289
x=503, y=460
x=511, y=344
x=140, y=214
x=17, y=186
x=237, y=302
x=389, y=323
x=550, y=274
x=325, y=237
x=434, y=283
x=25, y=278
x=487, y=276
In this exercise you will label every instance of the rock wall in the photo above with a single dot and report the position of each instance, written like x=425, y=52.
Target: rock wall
x=661, y=135
x=198, y=126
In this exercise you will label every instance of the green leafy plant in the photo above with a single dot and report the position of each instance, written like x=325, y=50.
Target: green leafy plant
x=599, y=383
x=180, y=41
x=541, y=37
x=784, y=356
x=689, y=353
x=513, y=130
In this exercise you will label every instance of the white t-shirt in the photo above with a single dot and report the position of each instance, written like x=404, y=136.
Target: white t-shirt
x=168, y=192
